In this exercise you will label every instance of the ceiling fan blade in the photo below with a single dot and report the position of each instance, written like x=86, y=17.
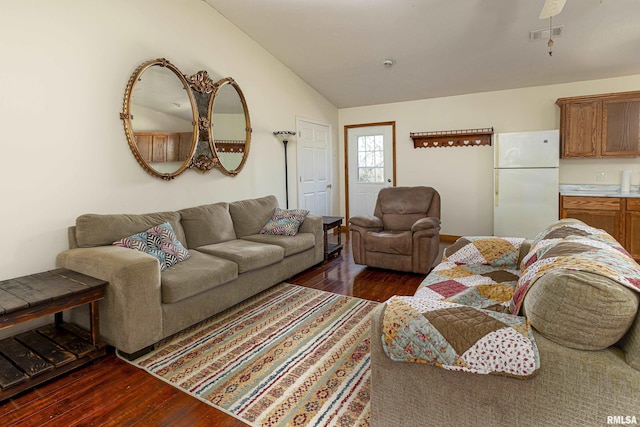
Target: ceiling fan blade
x=551, y=8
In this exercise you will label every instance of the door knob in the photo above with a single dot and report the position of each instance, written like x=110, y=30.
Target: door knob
x=329, y=186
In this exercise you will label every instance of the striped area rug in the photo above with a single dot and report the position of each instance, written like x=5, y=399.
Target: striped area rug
x=290, y=356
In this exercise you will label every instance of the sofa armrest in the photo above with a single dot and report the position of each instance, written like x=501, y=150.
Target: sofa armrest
x=313, y=224
x=429, y=223
x=524, y=250
x=366, y=221
x=572, y=388
x=131, y=313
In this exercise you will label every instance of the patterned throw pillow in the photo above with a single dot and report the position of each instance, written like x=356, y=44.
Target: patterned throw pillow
x=284, y=222
x=159, y=241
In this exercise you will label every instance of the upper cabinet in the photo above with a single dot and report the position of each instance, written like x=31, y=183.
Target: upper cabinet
x=605, y=125
x=620, y=131
x=580, y=128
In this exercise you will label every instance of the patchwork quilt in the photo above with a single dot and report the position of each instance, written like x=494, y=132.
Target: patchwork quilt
x=464, y=315
x=460, y=319
x=575, y=246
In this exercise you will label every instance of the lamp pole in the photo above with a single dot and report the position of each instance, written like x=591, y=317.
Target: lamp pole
x=283, y=136
x=286, y=173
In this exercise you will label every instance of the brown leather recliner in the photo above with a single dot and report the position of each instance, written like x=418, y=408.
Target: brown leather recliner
x=404, y=232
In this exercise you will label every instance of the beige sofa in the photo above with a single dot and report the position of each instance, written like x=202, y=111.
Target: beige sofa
x=230, y=261
x=578, y=383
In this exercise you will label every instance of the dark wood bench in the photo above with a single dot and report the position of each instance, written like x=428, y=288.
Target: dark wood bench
x=31, y=358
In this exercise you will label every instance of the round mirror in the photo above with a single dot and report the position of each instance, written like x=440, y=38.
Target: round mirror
x=230, y=133
x=160, y=118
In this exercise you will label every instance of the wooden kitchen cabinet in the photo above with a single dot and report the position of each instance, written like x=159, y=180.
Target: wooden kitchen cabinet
x=620, y=125
x=606, y=125
x=580, y=129
x=599, y=212
x=164, y=146
x=632, y=227
x=618, y=216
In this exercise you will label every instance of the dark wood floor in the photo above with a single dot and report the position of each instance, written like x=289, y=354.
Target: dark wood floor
x=114, y=393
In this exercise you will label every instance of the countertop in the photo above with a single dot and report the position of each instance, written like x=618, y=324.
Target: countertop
x=593, y=190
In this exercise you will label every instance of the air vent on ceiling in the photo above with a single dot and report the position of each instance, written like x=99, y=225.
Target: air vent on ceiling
x=543, y=34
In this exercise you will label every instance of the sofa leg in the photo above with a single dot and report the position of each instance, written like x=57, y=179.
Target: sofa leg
x=139, y=353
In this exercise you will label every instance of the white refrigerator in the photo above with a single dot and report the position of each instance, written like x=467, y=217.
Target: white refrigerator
x=525, y=182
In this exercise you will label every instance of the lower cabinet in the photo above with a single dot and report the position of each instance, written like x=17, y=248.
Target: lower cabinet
x=632, y=227
x=618, y=216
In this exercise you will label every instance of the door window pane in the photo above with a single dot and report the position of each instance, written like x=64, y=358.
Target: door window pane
x=371, y=159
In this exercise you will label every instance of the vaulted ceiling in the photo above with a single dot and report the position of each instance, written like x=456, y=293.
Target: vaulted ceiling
x=439, y=47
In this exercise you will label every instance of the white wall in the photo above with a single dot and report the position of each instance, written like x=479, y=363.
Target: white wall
x=463, y=175
x=65, y=66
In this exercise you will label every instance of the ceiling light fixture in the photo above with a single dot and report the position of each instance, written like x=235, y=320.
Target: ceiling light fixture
x=388, y=63
x=550, y=9
x=550, y=42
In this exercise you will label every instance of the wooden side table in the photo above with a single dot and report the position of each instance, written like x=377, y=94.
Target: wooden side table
x=31, y=358
x=329, y=223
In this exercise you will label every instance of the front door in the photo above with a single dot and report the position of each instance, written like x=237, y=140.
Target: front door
x=370, y=154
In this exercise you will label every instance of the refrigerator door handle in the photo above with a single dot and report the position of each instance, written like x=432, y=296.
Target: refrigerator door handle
x=496, y=186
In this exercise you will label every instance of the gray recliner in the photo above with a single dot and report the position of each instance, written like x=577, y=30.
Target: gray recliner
x=402, y=234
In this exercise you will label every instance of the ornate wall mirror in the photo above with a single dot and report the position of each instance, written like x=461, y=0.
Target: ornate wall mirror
x=173, y=122
x=203, y=88
x=160, y=118
x=230, y=132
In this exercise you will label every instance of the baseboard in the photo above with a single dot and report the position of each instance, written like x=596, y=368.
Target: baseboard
x=446, y=238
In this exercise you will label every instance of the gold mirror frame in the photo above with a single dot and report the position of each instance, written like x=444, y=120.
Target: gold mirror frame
x=203, y=88
x=247, y=127
x=127, y=116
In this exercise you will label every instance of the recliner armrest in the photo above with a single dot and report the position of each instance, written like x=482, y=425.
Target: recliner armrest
x=366, y=221
x=425, y=224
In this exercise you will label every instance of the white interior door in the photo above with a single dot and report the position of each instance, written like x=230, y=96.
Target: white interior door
x=314, y=167
x=370, y=165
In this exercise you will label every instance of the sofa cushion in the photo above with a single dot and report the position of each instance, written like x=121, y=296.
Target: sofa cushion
x=160, y=242
x=475, y=285
x=458, y=337
x=199, y=273
x=208, y=224
x=403, y=206
x=248, y=255
x=579, y=309
x=102, y=230
x=562, y=230
x=284, y=222
x=390, y=242
x=250, y=215
x=496, y=251
x=595, y=252
x=291, y=244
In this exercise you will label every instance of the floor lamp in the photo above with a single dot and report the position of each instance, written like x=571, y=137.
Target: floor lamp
x=284, y=136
